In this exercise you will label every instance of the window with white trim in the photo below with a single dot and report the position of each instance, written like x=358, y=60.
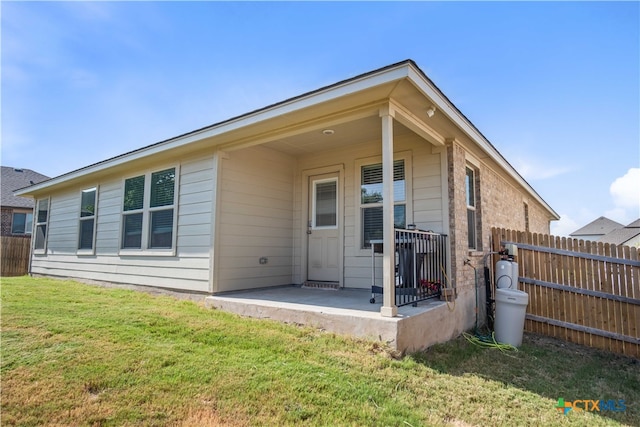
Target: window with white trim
x=371, y=220
x=148, y=212
x=470, y=194
x=21, y=223
x=87, y=226
x=42, y=220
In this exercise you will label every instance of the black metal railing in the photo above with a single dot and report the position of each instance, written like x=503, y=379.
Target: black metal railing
x=421, y=264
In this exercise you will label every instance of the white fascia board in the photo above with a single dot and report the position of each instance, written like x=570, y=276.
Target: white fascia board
x=415, y=124
x=297, y=103
x=445, y=106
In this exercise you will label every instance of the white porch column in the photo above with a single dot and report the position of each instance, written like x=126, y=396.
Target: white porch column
x=389, y=308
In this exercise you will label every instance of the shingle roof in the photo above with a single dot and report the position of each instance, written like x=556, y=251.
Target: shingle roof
x=15, y=178
x=634, y=224
x=406, y=69
x=611, y=232
x=599, y=227
x=619, y=236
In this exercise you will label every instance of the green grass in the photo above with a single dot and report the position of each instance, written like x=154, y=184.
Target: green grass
x=74, y=354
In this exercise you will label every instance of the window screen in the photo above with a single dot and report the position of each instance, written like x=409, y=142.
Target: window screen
x=86, y=234
x=161, y=229
x=132, y=231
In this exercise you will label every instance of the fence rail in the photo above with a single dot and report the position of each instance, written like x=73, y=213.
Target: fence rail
x=15, y=253
x=580, y=291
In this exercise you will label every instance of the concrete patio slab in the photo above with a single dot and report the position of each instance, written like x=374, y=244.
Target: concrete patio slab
x=344, y=311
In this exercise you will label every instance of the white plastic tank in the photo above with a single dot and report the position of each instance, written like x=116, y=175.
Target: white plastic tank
x=511, y=308
x=504, y=274
x=514, y=275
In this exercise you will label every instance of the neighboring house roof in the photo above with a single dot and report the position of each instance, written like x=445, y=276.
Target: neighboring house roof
x=622, y=235
x=598, y=227
x=634, y=224
x=16, y=178
x=356, y=96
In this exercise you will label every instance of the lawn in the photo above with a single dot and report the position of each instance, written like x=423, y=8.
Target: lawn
x=75, y=354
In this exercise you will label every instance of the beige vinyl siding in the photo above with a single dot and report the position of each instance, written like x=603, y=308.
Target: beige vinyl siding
x=195, y=205
x=256, y=219
x=62, y=231
x=188, y=270
x=428, y=212
x=426, y=208
x=260, y=215
x=108, y=219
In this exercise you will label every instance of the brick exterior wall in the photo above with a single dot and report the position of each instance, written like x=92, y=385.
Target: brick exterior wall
x=457, y=208
x=503, y=205
x=499, y=203
x=7, y=217
x=7, y=220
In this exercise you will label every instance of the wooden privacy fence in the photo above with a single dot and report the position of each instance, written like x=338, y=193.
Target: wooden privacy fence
x=15, y=253
x=580, y=291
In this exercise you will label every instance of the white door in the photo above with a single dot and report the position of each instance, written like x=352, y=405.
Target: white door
x=323, y=223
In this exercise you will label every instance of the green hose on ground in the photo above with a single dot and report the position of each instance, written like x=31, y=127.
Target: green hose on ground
x=488, y=341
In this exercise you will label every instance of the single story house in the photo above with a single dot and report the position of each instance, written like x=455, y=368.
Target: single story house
x=296, y=192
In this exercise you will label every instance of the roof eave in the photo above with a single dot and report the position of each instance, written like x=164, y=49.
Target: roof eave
x=405, y=69
x=445, y=106
x=359, y=83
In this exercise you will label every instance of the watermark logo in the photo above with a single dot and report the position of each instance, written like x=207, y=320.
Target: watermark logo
x=563, y=406
x=590, y=405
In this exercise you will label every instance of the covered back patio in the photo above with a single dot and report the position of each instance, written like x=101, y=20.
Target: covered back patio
x=310, y=207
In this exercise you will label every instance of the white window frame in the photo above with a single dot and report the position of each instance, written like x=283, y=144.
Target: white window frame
x=406, y=156
x=471, y=208
x=45, y=223
x=94, y=217
x=146, y=211
x=313, y=207
x=27, y=230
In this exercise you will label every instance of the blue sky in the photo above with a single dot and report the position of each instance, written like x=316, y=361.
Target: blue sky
x=554, y=86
